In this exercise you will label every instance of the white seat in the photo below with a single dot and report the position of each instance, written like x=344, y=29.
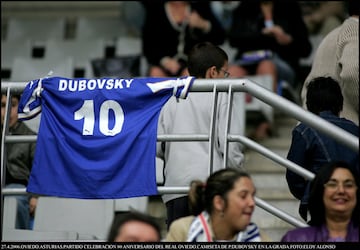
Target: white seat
x=19, y=235
x=82, y=51
x=36, y=29
x=131, y=46
x=127, y=45
x=139, y=204
x=9, y=213
x=12, y=49
x=29, y=69
x=87, y=217
x=94, y=27
x=9, y=233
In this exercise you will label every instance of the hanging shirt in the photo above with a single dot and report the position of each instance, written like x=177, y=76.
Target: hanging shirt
x=97, y=137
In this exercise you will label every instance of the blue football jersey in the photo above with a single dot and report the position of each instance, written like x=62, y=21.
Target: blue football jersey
x=97, y=137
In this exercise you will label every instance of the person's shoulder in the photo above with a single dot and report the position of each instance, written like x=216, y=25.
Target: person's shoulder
x=183, y=221
x=301, y=127
x=24, y=129
x=178, y=229
x=301, y=234
x=350, y=22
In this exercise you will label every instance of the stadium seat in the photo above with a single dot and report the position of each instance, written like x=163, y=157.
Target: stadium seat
x=9, y=233
x=131, y=46
x=139, y=204
x=82, y=51
x=90, y=218
x=9, y=213
x=24, y=69
x=18, y=235
x=106, y=28
x=12, y=49
x=36, y=29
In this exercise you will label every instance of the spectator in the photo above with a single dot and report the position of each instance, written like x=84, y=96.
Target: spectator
x=171, y=29
x=333, y=205
x=185, y=161
x=270, y=38
x=222, y=209
x=134, y=227
x=342, y=63
x=312, y=149
x=19, y=159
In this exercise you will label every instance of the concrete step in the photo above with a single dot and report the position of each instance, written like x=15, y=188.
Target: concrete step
x=255, y=162
x=271, y=186
x=273, y=226
x=266, y=220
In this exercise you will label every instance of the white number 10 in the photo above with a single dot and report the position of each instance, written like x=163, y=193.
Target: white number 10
x=87, y=112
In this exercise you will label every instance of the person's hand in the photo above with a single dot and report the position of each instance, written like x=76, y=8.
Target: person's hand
x=196, y=21
x=170, y=64
x=32, y=205
x=280, y=35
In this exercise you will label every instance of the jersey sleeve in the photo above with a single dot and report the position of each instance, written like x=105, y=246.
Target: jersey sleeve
x=30, y=102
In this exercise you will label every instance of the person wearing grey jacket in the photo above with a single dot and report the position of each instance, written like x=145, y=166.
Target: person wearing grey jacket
x=188, y=160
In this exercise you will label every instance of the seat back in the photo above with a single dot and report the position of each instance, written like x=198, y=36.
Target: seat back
x=25, y=69
x=9, y=213
x=85, y=216
x=36, y=29
x=96, y=27
x=82, y=51
x=18, y=235
x=13, y=49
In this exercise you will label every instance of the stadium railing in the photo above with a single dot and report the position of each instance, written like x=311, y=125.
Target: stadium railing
x=216, y=86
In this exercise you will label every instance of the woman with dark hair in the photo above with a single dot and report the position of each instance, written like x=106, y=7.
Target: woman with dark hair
x=333, y=206
x=222, y=209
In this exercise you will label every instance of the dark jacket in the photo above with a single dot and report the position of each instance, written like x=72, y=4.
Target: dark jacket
x=312, y=149
x=160, y=39
x=246, y=31
x=19, y=156
x=319, y=234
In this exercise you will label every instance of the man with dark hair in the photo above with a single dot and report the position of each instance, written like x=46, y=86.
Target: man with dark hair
x=134, y=227
x=185, y=161
x=310, y=148
x=19, y=159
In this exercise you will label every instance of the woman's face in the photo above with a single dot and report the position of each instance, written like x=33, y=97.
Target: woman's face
x=241, y=204
x=340, y=193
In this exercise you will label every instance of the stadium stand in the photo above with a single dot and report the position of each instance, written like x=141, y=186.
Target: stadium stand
x=81, y=51
x=12, y=49
x=36, y=29
x=106, y=28
x=25, y=69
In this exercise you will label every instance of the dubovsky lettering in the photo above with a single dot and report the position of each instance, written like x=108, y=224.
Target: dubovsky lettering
x=74, y=85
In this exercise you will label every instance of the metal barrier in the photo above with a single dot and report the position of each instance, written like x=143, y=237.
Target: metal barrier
x=218, y=85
